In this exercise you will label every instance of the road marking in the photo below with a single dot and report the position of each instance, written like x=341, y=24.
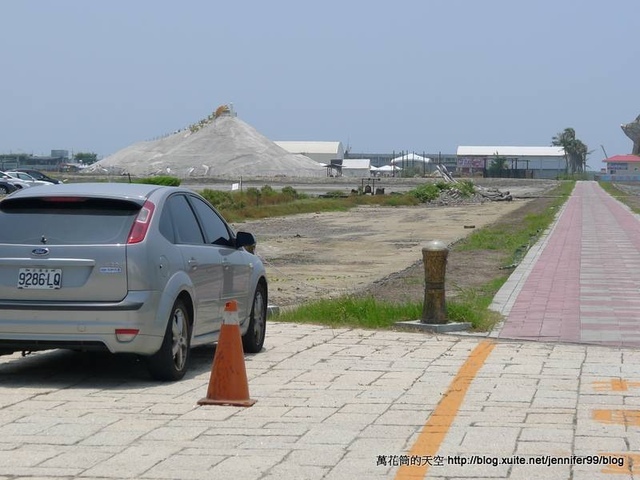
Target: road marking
x=614, y=385
x=629, y=418
x=629, y=467
x=440, y=420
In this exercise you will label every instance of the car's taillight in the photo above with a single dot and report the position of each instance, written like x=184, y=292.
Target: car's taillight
x=141, y=225
x=125, y=335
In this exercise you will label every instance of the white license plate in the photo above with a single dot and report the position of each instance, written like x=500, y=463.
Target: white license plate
x=40, y=278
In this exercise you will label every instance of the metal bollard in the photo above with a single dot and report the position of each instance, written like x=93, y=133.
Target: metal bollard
x=434, y=257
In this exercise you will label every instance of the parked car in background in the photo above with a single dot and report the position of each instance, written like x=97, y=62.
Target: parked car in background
x=6, y=187
x=124, y=268
x=25, y=177
x=37, y=175
x=16, y=182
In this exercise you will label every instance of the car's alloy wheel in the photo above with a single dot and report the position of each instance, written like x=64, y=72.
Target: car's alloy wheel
x=172, y=360
x=253, y=340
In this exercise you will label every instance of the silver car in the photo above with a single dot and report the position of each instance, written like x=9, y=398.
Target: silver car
x=25, y=177
x=125, y=268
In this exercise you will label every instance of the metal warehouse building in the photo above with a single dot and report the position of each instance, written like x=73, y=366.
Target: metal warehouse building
x=321, y=152
x=532, y=162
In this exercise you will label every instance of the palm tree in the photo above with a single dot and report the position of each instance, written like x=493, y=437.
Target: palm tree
x=575, y=150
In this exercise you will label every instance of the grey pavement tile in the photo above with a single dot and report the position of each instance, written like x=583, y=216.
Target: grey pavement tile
x=321, y=455
x=26, y=456
x=356, y=465
x=81, y=457
x=550, y=419
x=540, y=472
x=538, y=448
x=222, y=443
x=593, y=445
x=363, y=407
x=387, y=431
x=299, y=472
x=36, y=473
x=267, y=442
x=177, y=433
x=508, y=393
x=570, y=397
x=352, y=419
x=316, y=413
x=632, y=400
x=402, y=417
x=133, y=461
x=546, y=434
x=602, y=399
x=491, y=440
x=330, y=435
x=490, y=468
x=113, y=438
x=492, y=418
x=242, y=467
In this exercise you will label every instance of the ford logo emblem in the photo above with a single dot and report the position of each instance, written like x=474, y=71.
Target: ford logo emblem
x=40, y=251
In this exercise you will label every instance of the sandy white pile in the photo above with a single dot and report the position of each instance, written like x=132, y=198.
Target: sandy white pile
x=227, y=147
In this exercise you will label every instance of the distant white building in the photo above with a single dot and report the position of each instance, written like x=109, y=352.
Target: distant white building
x=321, y=152
x=534, y=162
x=360, y=167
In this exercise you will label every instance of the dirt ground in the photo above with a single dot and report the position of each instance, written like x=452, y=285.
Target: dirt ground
x=377, y=250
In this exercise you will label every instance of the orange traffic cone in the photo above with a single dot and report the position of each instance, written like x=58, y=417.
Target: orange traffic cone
x=228, y=383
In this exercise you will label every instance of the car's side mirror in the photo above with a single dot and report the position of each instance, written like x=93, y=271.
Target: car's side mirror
x=246, y=240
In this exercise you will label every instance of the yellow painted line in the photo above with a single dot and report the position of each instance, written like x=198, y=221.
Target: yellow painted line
x=629, y=467
x=441, y=419
x=629, y=418
x=614, y=385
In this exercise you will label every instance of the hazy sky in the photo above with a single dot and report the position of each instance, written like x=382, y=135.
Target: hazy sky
x=423, y=75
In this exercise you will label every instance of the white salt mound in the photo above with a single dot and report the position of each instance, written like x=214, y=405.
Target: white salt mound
x=227, y=147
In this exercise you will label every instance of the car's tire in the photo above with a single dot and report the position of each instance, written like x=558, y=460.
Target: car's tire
x=253, y=340
x=172, y=360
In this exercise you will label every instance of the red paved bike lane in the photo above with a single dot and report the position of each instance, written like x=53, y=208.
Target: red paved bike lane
x=584, y=285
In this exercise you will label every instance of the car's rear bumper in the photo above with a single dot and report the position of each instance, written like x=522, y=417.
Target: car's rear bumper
x=34, y=326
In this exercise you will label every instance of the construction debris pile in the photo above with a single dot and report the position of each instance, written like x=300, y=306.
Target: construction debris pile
x=454, y=195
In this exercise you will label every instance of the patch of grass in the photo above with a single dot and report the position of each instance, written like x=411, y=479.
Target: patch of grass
x=265, y=202
x=516, y=241
x=349, y=311
x=159, y=180
x=632, y=201
x=472, y=305
x=368, y=312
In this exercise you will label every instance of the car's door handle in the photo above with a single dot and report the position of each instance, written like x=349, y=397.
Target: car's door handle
x=193, y=263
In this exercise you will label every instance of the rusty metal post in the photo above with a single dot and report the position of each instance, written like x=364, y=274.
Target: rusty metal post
x=434, y=257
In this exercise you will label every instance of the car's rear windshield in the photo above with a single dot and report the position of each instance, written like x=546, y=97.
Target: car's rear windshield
x=66, y=220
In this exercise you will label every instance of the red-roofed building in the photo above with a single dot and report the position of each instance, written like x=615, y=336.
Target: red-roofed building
x=623, y=164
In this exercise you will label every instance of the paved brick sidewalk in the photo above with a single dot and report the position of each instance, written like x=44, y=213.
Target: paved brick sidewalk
x=581, y=284
x=334, y=404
